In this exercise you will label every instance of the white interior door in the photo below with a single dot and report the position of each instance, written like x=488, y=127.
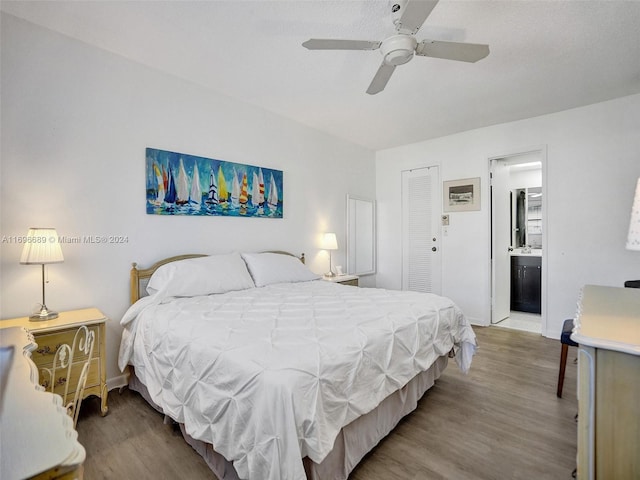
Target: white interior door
x=421, y=206
x=500, y=241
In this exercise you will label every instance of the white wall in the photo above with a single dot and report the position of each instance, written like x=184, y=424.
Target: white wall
x=75, y=124
x=593, y=163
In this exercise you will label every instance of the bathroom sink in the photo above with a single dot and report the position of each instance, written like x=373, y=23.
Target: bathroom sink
x=534, y=252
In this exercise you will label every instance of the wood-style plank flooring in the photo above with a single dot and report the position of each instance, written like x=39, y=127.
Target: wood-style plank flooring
x=501, y=421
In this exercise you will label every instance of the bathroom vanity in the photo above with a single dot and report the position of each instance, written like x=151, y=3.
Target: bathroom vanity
x=526, y=281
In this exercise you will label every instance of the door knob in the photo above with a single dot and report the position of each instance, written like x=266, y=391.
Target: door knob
x=433, y=249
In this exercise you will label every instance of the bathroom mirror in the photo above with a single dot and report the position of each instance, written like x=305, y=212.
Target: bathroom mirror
x=527, y=217
x=361, y=234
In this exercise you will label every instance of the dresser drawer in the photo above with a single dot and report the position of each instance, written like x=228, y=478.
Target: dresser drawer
x=61, y=379
x=48, y=344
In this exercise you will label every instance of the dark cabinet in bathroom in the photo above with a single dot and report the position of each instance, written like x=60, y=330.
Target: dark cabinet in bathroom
x=526, y=283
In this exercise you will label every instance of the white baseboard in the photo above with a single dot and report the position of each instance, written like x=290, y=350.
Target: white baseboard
x=477, y=321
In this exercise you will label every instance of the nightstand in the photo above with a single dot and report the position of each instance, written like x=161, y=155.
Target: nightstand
x=50, y=334
x=344, y=279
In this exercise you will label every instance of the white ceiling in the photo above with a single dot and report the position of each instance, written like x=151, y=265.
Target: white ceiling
x=546, y=56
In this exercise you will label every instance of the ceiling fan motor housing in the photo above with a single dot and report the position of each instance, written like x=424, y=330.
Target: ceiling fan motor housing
x=398, y=49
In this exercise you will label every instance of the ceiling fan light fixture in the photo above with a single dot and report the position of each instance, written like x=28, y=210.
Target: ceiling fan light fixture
x=398, y=49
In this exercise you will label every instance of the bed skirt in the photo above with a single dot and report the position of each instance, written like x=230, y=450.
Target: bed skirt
x=353, y=442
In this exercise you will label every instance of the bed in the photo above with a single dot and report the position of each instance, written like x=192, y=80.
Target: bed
x=273, y=373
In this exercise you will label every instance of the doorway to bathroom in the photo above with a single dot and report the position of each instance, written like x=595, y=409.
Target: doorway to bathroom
x=517, y=241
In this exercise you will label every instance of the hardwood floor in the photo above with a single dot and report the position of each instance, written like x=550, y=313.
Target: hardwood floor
x=501, y=421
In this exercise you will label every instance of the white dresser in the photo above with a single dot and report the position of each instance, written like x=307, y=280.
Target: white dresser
x=608, y=333
x=37, y=440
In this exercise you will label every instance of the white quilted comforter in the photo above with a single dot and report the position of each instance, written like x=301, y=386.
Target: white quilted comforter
x=270, y=375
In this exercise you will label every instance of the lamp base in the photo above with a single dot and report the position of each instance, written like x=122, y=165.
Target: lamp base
x=43, y=315
x=330, y=274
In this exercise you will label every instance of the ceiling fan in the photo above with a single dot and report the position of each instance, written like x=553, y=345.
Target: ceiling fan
x=398, y=49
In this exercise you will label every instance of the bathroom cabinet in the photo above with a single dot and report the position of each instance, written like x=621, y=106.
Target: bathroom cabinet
x=526, y=283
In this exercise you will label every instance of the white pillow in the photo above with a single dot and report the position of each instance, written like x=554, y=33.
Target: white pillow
x=201, y=276
x=268, y=268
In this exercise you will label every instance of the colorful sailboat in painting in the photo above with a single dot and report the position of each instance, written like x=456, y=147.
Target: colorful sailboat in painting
x=195, y=195
x=272, y=201
x=235, y=190
x=212, y=197
x=160, y=189
x=182, y=188
x=170, y=196
x=223, y=193
x=244, y=195
x=255, y=191
x=165, y=179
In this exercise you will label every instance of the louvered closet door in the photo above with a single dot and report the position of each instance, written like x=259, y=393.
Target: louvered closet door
x=421, y=259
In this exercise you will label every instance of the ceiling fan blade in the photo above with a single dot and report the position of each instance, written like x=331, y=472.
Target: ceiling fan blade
x=335, y=44
x=464, y=52
x=381, y=78
x=414, y=14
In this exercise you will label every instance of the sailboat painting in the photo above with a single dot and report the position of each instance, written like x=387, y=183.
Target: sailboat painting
x=182, y=184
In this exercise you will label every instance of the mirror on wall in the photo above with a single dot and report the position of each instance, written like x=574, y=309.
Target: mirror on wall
x=527, y=217
x=361, y=234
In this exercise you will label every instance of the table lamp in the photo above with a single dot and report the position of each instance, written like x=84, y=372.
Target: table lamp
x=329, y=242
x=41, y=248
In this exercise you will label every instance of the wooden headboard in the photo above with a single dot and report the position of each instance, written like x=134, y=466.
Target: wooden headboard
x=139, y=278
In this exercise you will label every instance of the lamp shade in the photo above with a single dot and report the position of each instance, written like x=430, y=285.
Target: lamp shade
x=41, y=247
x=329, y=241
x=633, y=240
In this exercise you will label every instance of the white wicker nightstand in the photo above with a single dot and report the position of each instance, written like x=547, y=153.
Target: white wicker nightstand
x=344, y=279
